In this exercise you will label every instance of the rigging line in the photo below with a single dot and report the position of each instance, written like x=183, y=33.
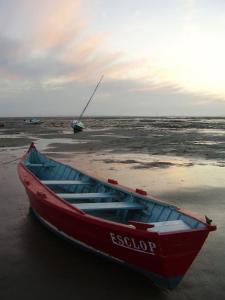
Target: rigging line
x=81, y=115
x=10, y=161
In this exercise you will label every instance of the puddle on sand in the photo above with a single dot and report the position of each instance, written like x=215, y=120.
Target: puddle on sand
x=154, y=180
x=43, y=144
x=67, y=131
x=207, y=142
x=13, y=136
x=112, y=136
x=212, y=132
x=98, y=129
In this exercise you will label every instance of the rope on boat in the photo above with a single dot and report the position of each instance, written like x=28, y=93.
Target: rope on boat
x=10, y=161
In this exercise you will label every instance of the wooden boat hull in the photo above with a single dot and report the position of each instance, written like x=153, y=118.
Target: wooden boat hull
x=163, y=257
x=77, y=129
x=32, y=122
x=77, y=126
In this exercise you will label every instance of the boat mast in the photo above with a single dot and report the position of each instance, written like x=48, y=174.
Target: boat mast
x=81, y=115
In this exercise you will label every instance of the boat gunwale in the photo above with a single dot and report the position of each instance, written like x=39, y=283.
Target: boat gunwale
x=79, y=213
x=208, y=227
x=108, y=223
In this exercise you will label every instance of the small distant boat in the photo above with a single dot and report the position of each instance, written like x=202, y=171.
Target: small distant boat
x=77, y=125
x=157, y=238
x=2, y=125
x=32, y=121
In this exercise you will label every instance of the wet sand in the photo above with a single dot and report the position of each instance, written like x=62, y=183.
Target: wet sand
x=36, y=264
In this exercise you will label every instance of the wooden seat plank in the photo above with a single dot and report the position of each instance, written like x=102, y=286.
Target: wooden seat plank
x=108, y=206
x=60, y=182
x=85, y=195
x=169, y=226
x=39, y=165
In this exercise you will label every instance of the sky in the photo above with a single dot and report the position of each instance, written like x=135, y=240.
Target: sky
x=164, y=57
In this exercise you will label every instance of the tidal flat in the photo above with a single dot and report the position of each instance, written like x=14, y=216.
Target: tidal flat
x=180, y=160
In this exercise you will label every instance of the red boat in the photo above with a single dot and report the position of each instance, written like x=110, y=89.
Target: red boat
x=152, y=236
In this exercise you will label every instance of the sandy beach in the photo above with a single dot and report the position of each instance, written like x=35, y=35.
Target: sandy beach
x=180, y=160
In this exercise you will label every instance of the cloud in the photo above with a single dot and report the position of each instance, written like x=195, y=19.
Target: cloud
x=111, y=99
x=60, y=25
x=84, y=49
x=58, y=50
x=55, y=48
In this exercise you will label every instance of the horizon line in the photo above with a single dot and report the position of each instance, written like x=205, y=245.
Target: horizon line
x=114, y=116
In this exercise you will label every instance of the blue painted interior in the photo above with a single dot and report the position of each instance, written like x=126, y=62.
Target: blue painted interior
x=92, y=195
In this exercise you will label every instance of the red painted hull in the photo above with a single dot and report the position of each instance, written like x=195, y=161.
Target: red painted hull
x=165, y=257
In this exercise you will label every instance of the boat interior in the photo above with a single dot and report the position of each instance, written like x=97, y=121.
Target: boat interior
x=105, y=200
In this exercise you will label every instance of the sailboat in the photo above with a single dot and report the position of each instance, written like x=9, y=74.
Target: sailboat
x=33, y=121
x=77, y=125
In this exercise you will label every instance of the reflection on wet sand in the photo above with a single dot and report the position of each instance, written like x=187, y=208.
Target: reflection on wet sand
x=180, y=160
x=177, y=173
